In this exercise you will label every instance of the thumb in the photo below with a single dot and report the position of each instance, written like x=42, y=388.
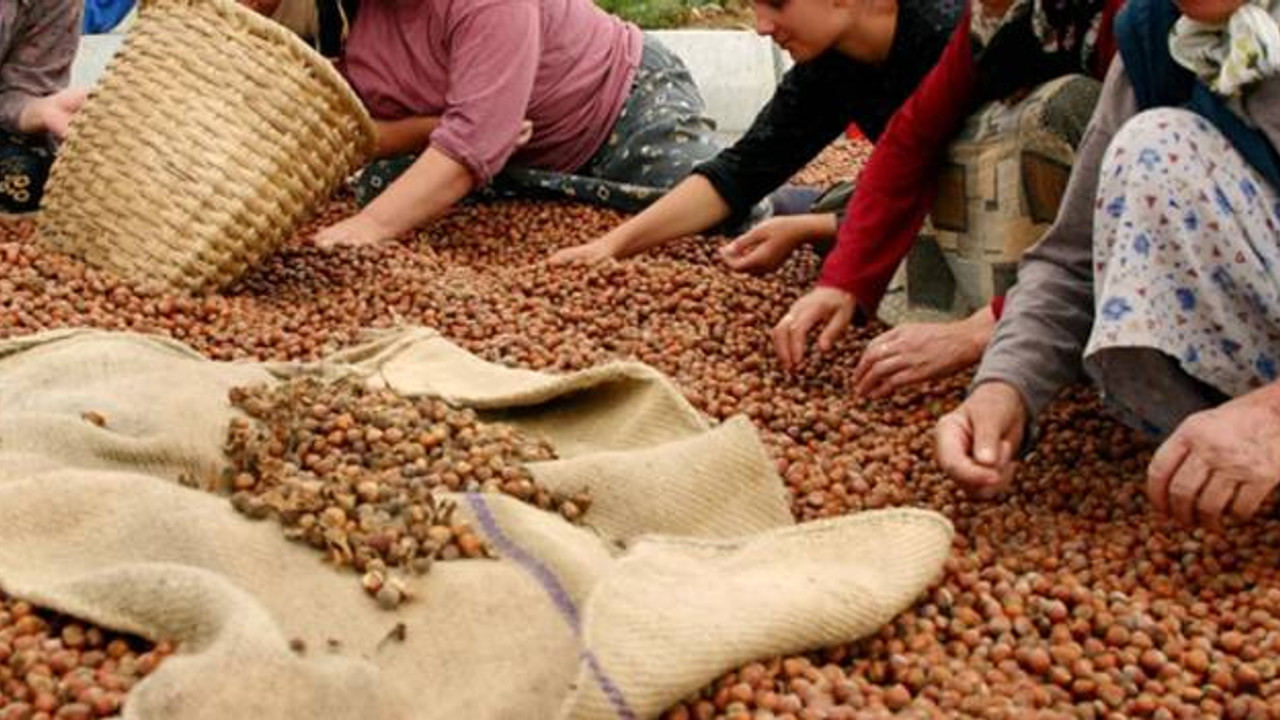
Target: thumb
x=744, y=242
x=987, y=437
x=836, y=325
x=59, y=124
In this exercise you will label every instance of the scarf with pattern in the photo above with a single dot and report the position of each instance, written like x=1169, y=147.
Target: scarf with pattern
x=1232, y=55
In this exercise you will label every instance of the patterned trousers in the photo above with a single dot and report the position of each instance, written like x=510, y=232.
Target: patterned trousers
x=1186, y=252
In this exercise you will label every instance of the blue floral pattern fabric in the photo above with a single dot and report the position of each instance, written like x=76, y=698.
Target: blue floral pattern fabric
x=1186, y=249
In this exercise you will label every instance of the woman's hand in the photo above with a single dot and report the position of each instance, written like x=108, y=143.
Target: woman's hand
x=52, y=113
x=356, y=231
x=596, y=251
x=915, y=352
x=766, y=246
x=1219, y=462
x=976, y=443
x=832, y=308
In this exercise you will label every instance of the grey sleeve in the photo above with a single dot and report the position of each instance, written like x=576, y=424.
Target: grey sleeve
x=1048, y=315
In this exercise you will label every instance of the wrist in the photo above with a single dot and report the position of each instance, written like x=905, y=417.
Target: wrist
x=1003, y=395
x=825, y=226
x=30, y=118
x=979, y=328
x=617, y=245
x=384, y=227
x=811, y=228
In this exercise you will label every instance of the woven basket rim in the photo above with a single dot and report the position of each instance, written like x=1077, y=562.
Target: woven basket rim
x=257, y=23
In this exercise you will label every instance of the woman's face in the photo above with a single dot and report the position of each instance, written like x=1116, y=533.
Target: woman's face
x=804, y=28
x=1209, y=11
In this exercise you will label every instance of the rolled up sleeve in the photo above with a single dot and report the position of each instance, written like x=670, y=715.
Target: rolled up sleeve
x=493, y=60
x=1048, y=314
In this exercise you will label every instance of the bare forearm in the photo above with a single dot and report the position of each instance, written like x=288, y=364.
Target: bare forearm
x=424, y=192
x=690, y=207
x=408, y=135
x=818, y=226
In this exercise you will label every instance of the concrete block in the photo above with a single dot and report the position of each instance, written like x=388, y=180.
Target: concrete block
x=736, y=70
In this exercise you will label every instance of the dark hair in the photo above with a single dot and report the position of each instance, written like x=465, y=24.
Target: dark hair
x=334, y=18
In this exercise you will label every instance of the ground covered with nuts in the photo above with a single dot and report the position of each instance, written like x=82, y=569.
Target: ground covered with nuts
x=1066, y=599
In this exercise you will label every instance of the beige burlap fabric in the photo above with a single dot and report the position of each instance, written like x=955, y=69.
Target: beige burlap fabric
x=689, y=565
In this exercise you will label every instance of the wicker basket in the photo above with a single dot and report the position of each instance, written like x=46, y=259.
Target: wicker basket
x=213, y=134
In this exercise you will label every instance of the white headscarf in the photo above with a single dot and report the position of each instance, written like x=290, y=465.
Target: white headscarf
x=1229, y=56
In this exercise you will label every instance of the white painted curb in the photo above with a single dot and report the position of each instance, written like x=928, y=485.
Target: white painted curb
x=736, y=70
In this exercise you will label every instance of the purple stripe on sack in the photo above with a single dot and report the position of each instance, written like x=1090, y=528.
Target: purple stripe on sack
x=559, y=597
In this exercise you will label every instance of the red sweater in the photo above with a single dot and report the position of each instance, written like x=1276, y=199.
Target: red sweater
x=897, y=187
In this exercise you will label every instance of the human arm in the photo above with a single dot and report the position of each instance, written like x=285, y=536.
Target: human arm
x=493, y=57
x=692, y=206
x=1046, y=317
x=1224, y=461
x=896, y=190
x=915, y=352
x=1048, y=314
x=403, y=136
x=412, y=134
x=766, y=246
x=886, y=210
x=431, y=185
x=811, y=107
x=38, y=66
x=798, y=122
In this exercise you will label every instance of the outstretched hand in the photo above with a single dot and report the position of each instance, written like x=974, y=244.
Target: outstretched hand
x=356, y=231
x=589, y=253
x=766, y=246
x=828, y=307
x=977, y=443
x=915, y=352
x=52, y=114
x=1219, y=462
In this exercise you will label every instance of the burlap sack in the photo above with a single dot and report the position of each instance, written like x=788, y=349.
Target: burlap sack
x=610, y=620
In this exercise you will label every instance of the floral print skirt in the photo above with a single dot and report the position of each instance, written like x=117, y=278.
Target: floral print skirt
x=662, y=132
x=1186, y=251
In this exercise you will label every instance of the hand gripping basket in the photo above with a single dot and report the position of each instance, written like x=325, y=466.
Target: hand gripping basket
x=213, y=134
